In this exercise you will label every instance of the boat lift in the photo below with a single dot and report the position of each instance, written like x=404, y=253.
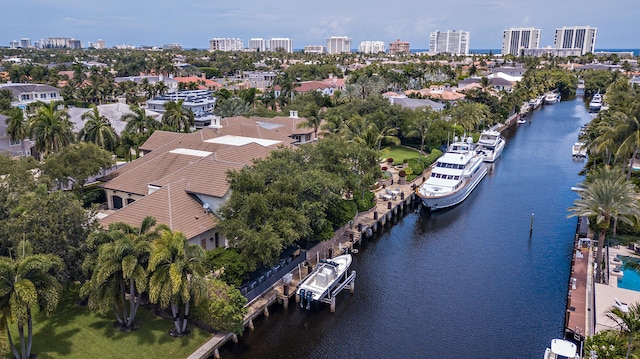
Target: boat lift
x=330, y=296
x=349, y=282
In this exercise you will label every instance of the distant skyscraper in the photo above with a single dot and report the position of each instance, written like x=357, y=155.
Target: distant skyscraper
x=225, y=44
x=257, y=44
x=283, y=43
x=450, y=41
x=576, y=37
x=398, y=46
x=372, y=47
x=314, y=49
x=61, y=43
x=14, y=44
x=25, y=43
x=516, y=39
x=339, y=45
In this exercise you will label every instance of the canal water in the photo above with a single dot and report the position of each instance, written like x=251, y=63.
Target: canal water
x=469, y=282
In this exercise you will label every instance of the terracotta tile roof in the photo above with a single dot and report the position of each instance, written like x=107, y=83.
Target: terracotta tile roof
x=170, y=205
x=203, y=82
x=159, y=139
x=136, y=176
x=207, y=176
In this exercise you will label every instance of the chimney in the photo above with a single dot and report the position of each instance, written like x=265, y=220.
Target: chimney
x=293, y=114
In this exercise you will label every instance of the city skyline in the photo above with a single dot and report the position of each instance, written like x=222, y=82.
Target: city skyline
x=192, y=24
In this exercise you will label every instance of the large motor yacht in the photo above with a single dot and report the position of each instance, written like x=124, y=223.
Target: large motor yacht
x=456, y=173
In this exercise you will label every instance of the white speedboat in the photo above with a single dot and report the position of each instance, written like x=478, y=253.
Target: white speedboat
x=490, y=145
x=551, y=98
x=561, y=348
x=596, y=103
x=456, y=173
x=521, y=121
x=579, y=150
x=323, y=279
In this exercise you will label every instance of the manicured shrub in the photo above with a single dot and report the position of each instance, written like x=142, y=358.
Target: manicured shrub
x=367, y=203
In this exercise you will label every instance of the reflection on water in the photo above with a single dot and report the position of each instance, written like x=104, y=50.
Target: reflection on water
x=468, y=282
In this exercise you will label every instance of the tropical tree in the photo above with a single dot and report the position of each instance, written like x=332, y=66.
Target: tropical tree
x=607, y=195
x=51, y=129
x=28, y=283
x=119, y=271
x=98, y=130
x=232, y=107
x=177, y=276
x=420, y=125
x=313, y=116
x=177, y=117
x=139, y=122
x=628, y=322
x=17, y=127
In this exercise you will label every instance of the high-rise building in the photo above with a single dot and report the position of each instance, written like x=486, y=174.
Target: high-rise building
x=14, y=44
x=398, y=46
x=339, y=45
x=314, y=49
x=225, y=44
x=450, y=41
x=576, y=37
x=60, y=43
x=25, y=42
x=516, y=39
x=281, y=43
x=372, y=47
x=257, y=44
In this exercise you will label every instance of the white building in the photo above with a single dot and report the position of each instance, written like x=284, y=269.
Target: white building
x=339, y=45
x=283, y=43
x=24, y=94
x=549, y=51
x=576, y=37
x=314, y=49
x=514, y=40
x=226, y=44
x=372, y=47
x=61, y=43
x=258, y=44
x=200, y=102
x=450, y=41
x=100, y=44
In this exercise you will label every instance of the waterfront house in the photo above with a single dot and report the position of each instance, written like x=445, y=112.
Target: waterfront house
x=181, y=179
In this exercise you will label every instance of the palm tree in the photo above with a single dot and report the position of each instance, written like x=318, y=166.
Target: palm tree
x=232, y=107
x=119, y=275
x=176, y=117
x=607, y=195
x=138, y=121
x=27, y=282
x=51, y=129
x=17, y=127
x=98, y=130
x=313, y=116
x=177, y=276
x=628, y=322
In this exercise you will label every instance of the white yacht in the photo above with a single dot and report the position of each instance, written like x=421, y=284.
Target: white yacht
x=596, y=103
x=579, y=150
x=456, y=173
x=551, y=98
x=561, y=349
x=490, y=145
x=323, y=279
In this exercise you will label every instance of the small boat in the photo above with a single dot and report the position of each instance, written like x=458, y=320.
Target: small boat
x=561, y=348
x=551, y=98
x=490, y=145
x=323, y=279
x=596, y=103
x=454, y=176
x=579, y=150
x=521, y=121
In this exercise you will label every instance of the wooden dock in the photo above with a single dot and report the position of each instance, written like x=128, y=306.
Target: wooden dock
x=579, y=315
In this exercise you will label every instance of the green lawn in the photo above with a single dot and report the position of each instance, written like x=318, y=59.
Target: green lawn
x=399, y=153
x=73, y=331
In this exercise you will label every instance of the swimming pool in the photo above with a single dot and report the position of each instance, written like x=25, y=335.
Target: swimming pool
x=630, y=279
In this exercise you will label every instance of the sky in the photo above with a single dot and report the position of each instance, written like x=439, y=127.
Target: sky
x=192, y=23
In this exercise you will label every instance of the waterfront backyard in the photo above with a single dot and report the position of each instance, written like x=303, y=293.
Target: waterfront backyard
x=74, y=331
